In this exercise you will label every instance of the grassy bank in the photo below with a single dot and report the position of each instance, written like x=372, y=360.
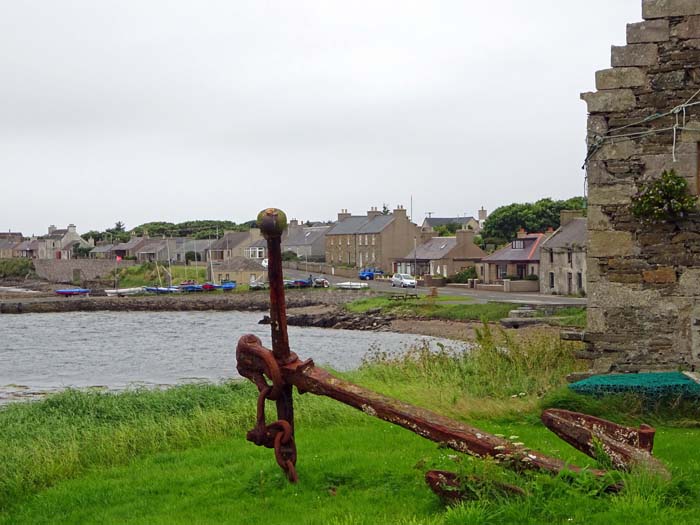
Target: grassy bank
x=147, y=275
x=433, y=308
x=179, y=456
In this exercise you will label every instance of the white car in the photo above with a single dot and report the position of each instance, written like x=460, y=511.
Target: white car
x=403, y=280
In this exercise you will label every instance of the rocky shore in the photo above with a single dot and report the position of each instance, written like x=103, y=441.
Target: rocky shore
x=249, y=301
x=338, y=319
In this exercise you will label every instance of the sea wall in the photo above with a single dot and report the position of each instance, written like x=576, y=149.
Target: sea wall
x=247, y=301
x=76, y=270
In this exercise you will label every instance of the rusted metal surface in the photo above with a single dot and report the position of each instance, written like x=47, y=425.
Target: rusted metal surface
x=451, y=488
x=276, y=371
x=624, y=446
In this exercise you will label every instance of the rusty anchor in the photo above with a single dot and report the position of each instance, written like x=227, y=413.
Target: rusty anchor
x=276, y=371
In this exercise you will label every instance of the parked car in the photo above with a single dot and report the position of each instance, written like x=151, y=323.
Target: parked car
x=403, y=280
x=368, y=274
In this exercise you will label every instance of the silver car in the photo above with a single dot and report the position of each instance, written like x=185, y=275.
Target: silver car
x=403, y=280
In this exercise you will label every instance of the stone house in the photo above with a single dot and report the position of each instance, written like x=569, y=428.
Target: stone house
x=129, y=248
x=465, y=223
x=233, y=244
x=517, y=260
x=442, y=256
x=308, y=242
x=239, y=269
x=27, y=249
x=371, y=240
x=7, y=248
x=563, y=257
x=60, y=243
x=644, y=278
x=102, y=251
x=257, y=250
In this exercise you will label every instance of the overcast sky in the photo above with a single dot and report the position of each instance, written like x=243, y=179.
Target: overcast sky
x=139, y=110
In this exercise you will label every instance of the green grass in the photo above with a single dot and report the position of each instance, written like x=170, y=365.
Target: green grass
x=573, y=316
x=180, y=456
x=146, y=275
x=430, y=308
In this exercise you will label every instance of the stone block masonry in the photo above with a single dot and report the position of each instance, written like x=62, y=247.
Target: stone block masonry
x=64, y=271
x=644, y=280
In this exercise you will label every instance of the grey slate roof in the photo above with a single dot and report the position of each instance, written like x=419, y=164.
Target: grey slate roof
x=229, y=241
x=434, y=249
x=130, y=244
x=306, y=236
x=572, y=235
x=360, y=224
x=529, y=253
x=444, y=221
x=7, y=244
x=105, y=248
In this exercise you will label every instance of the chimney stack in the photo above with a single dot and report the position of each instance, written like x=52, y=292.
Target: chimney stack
x=343, y=215
x=483, y=214
x=522, y=233
x=52, y=228
x=465, y=237
x=566, y=216
x=373, y=212
x=400, y=211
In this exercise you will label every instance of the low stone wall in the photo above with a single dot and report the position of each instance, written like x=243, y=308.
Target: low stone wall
x=68, y=271
x=521, y=286
x=490, y=287
x=324, y=268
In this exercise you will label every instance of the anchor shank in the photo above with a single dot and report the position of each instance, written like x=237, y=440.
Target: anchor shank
x=456, y=435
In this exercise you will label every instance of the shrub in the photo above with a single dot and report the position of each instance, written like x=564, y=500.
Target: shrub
x=464, y=275
x=666, y=199
x=16, y=268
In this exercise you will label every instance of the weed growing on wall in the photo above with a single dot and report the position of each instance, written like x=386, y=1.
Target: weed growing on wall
x=666, y=199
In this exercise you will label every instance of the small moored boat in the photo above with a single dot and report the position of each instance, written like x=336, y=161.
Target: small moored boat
x=350, y=285
x=68, y=292
x=121, y=292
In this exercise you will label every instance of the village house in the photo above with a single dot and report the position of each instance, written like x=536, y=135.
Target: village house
x=102, y=251
x=128, y=249
x=60, y=243
x=233, y=244
x=27, y=249
x=257, y=250
x=374, y=239
x=308, y=242
x=563, y=257
x=519, y=260
x=239, y=269
x=442, y=256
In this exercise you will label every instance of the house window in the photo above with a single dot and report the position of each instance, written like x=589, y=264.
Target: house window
x=372, y=240
x=348, y=240
x=366, y=243
x=551, y=256
x=332, y=241
x=227, y=277
x=502, y=271
x=579, y=280
x=551, y=279
x=481, y=271
x=569, y=256
x=518, y=244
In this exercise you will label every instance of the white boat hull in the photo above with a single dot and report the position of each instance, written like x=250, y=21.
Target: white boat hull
x=124, y=291
x=352, y=285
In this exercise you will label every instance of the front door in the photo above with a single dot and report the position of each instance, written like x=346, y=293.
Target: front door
x=522, y=271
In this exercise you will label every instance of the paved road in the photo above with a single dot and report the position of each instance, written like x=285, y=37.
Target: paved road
x=478, y=296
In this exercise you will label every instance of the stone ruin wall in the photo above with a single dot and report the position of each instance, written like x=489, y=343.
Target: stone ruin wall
x=644, y=281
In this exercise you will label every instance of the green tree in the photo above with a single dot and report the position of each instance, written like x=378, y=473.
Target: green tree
x=447, y=230
x=503, y=224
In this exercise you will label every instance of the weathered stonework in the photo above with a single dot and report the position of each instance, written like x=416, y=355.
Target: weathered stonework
x=644, y=280
x=620, y=77
x=634, y=55
x=667, y=8
x=646, y=32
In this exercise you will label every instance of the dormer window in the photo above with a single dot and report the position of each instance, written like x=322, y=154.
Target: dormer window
x=518, y=244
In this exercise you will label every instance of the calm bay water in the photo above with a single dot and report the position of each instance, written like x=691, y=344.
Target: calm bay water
x=117, y=350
